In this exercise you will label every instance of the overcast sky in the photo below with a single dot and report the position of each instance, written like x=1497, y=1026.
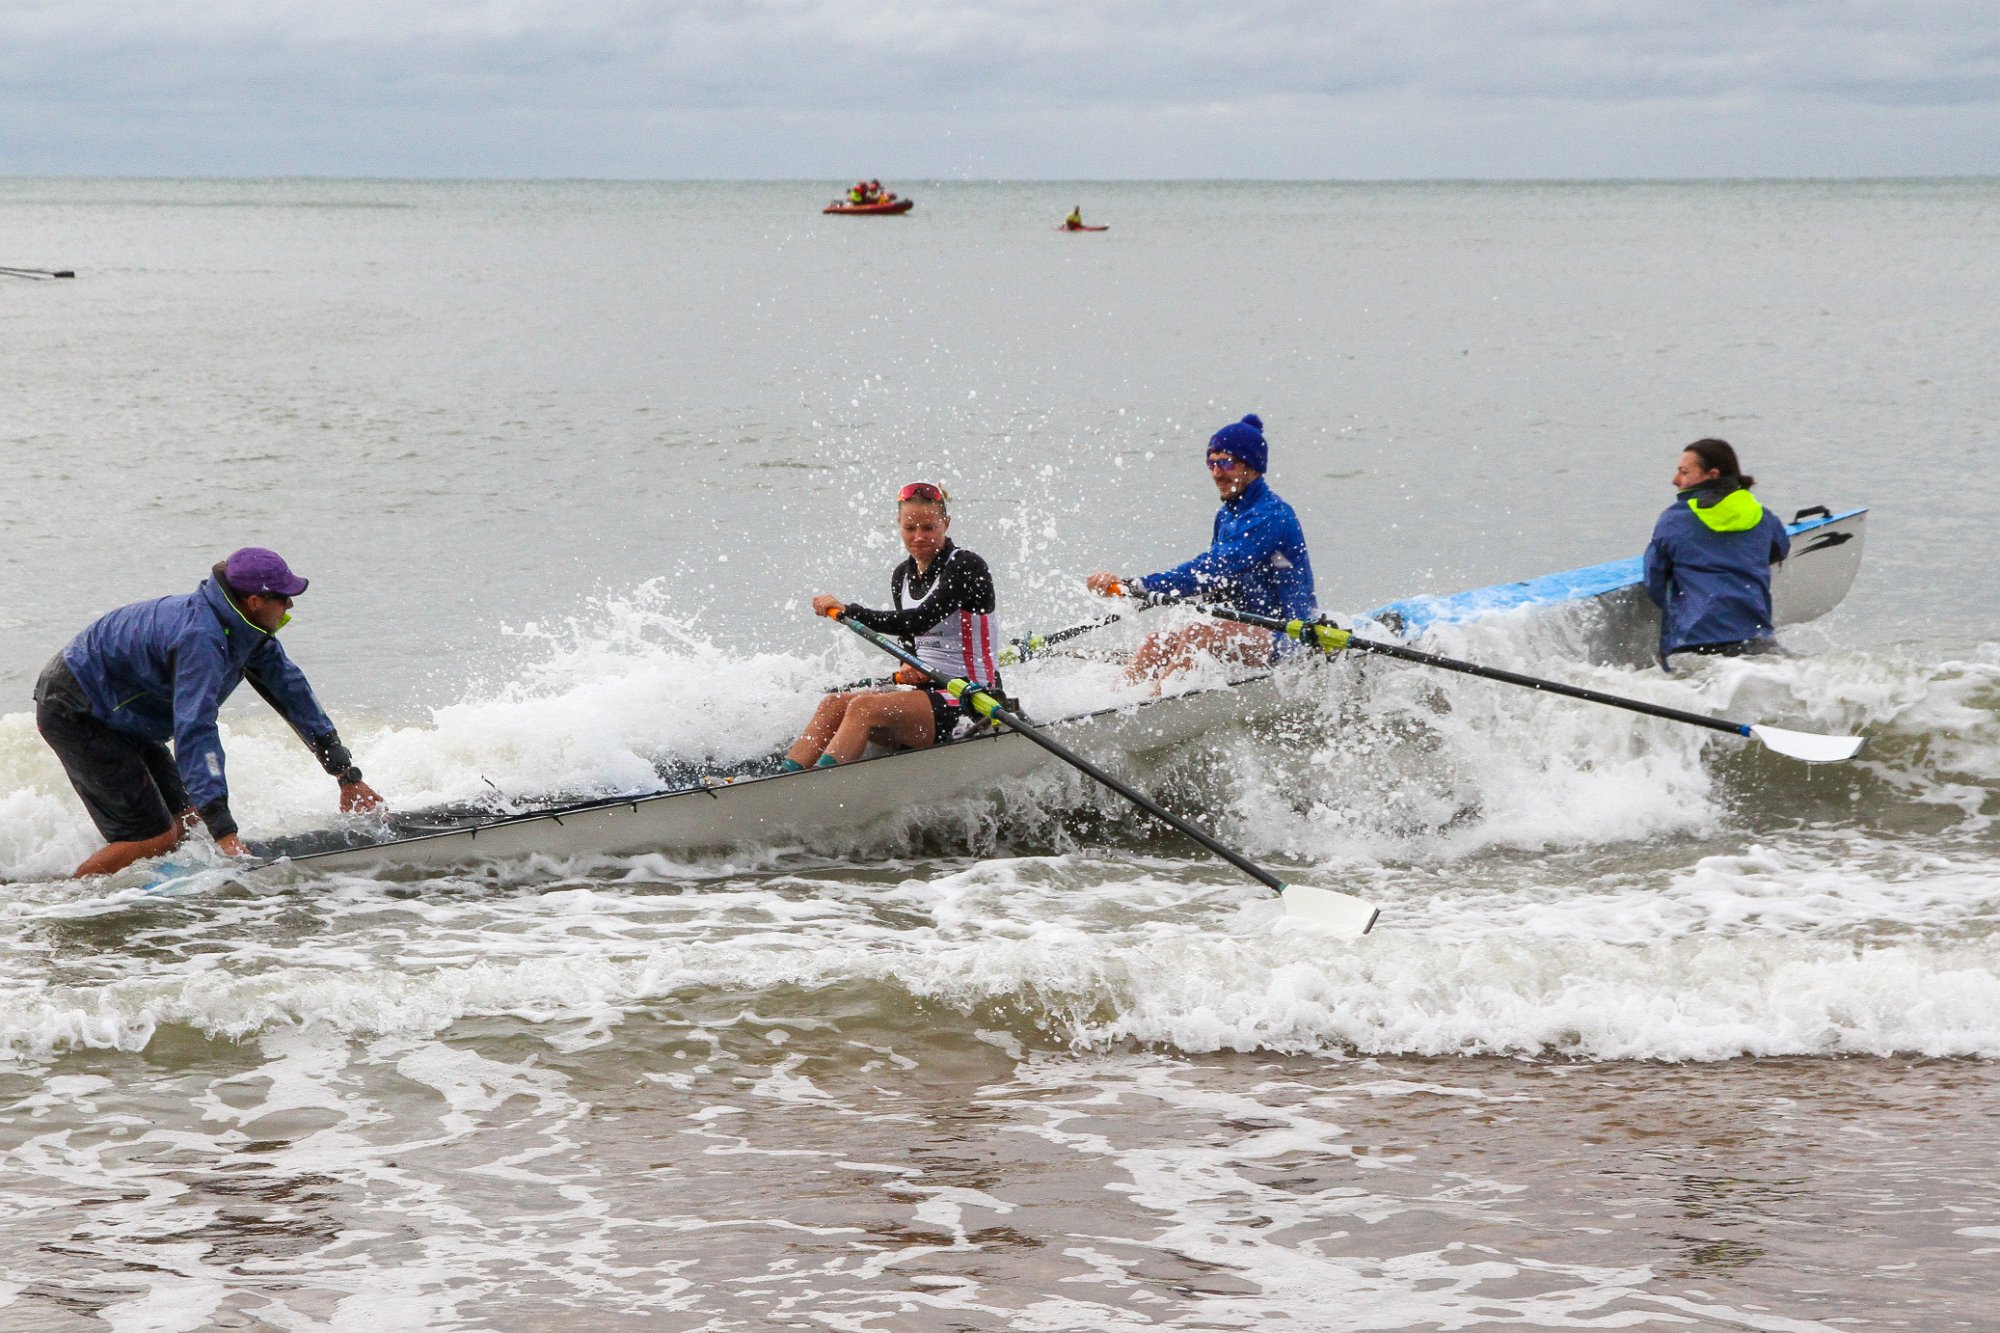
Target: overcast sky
x=981, y=89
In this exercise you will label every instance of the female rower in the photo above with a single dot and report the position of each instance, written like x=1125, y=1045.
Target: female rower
x=1708, y=566
x=943, y=598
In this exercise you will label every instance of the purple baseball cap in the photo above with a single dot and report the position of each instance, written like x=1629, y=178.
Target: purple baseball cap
x=253, y=571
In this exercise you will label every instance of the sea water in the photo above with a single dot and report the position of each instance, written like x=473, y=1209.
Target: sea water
x=1657, y=1029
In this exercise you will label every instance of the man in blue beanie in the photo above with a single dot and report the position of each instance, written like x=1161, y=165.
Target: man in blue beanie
x=157, y=671
x=1257, y=562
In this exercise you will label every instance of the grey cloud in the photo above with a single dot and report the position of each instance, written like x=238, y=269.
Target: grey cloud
x=846, y=52
x=449, y=67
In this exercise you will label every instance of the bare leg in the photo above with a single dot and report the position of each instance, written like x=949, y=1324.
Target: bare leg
x=807, y=749
x=115, y=856
x=1173, y=651
x=902, y=719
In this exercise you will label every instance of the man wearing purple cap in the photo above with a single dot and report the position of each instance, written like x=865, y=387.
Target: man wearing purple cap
x=157, y=671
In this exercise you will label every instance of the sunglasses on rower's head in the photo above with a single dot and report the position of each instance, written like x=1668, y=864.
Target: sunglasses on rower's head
x=920, y=490
x=277, y=597
x=1223, y=462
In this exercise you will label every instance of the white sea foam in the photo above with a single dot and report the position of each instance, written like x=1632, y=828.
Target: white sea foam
x=1757, y=954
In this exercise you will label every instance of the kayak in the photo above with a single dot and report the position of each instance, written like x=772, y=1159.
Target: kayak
x=759, y=806
x=884, y=207
x=1065, y=227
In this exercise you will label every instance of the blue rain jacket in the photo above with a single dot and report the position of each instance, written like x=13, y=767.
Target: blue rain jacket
x=1257, y=561
x=1708, y=568
x=161, y=669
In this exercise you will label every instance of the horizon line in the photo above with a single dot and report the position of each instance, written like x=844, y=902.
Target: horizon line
x=940, y=180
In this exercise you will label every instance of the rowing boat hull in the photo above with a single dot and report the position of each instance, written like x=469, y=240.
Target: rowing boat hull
x=811, y=805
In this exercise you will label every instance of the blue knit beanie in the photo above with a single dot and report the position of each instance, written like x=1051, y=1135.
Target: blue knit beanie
x=1242, y=441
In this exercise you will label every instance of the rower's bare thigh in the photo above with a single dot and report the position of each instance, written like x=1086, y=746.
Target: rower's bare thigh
x=902, y=719
x=1246, y=644
x=1175, y=649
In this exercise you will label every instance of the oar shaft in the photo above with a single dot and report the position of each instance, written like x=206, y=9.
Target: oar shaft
x=1028, y=645
x=988, y=706
x=1551, y=686
x=1329, y=639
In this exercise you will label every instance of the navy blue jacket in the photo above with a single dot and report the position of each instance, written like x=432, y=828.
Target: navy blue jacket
x=1257, y=561
x=161, y=669
x=1708, y=568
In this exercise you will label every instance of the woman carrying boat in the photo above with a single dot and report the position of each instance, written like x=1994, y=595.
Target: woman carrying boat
x=1708, y=567
x=943, y=596
x=1255, y=562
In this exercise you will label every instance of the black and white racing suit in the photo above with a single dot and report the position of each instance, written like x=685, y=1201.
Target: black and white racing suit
x=945, y=617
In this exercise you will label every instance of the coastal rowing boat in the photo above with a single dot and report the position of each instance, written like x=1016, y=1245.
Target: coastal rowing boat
x=762, y=807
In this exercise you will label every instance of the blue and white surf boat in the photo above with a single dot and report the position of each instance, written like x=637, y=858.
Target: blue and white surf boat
x=760, y=807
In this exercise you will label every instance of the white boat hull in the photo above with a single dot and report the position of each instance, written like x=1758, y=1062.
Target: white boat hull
x=786, y=809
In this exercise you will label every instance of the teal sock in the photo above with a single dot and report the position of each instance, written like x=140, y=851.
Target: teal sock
x=826, y=761
x=791, y=765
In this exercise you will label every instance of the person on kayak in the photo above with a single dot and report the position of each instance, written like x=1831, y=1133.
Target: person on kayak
x=1256, y=562
x=1074, y=222
x=159, y=670
x=858, y=193
x=943, y=597
x=1708, y=567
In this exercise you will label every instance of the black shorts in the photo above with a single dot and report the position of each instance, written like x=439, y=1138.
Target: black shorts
x=130, y=785
x=945, y=713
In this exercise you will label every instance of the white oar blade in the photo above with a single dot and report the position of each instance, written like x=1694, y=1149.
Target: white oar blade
x=1336, y=913
x=1808, y=746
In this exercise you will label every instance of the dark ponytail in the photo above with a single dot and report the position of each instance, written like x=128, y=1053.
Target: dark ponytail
x=1720, y=455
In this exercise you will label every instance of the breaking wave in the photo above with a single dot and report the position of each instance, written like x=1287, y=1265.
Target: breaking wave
x=1556, y=879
